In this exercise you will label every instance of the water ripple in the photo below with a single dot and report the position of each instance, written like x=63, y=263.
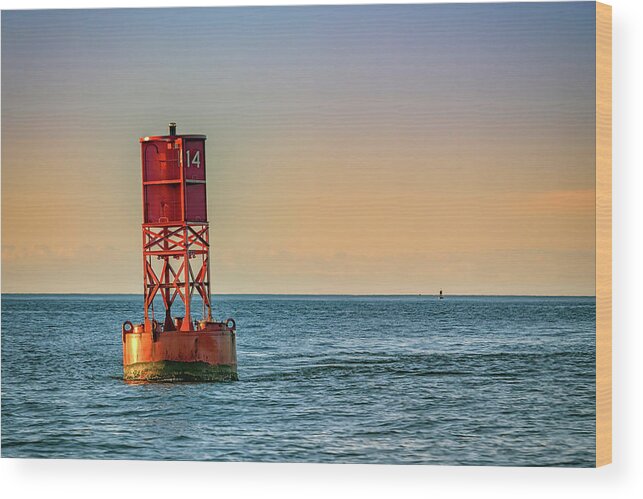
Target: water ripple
x=405, y=380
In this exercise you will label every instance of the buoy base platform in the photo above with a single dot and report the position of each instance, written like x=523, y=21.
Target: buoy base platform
x=206, y=352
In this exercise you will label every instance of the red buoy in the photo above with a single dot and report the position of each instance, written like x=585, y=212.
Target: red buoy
x=176, y=264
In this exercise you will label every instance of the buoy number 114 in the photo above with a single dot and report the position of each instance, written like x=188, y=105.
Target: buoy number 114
x=195, y=160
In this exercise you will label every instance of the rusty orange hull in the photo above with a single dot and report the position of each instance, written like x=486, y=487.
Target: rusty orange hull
x=208, y=354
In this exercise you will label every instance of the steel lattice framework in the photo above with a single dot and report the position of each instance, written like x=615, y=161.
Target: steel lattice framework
x=176, y=262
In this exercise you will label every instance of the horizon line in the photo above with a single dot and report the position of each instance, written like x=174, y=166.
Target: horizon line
x=320, y=294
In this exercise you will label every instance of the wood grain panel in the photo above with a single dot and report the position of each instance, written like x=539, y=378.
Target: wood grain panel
x=603, y=234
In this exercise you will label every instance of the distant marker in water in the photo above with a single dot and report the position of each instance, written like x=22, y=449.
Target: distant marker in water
x=441, y=296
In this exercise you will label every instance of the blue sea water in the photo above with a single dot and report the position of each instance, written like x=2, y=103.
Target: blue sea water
x=339, y=379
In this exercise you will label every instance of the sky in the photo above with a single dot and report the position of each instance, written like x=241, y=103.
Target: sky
x=382, y=149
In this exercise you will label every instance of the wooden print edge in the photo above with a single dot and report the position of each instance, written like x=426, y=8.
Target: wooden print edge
x=603, y=234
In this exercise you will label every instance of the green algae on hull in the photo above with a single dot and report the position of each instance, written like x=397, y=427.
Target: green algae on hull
x=169, y=370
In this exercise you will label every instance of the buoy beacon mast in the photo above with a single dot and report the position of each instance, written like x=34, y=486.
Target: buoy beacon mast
x=176, y=264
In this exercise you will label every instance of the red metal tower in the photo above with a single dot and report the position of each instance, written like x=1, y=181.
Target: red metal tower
x=175, y=227
x=176, y=263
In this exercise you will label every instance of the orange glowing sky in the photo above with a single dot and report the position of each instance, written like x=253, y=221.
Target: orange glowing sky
x=357, y=149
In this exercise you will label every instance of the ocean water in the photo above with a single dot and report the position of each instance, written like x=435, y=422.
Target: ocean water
x=337, y=379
